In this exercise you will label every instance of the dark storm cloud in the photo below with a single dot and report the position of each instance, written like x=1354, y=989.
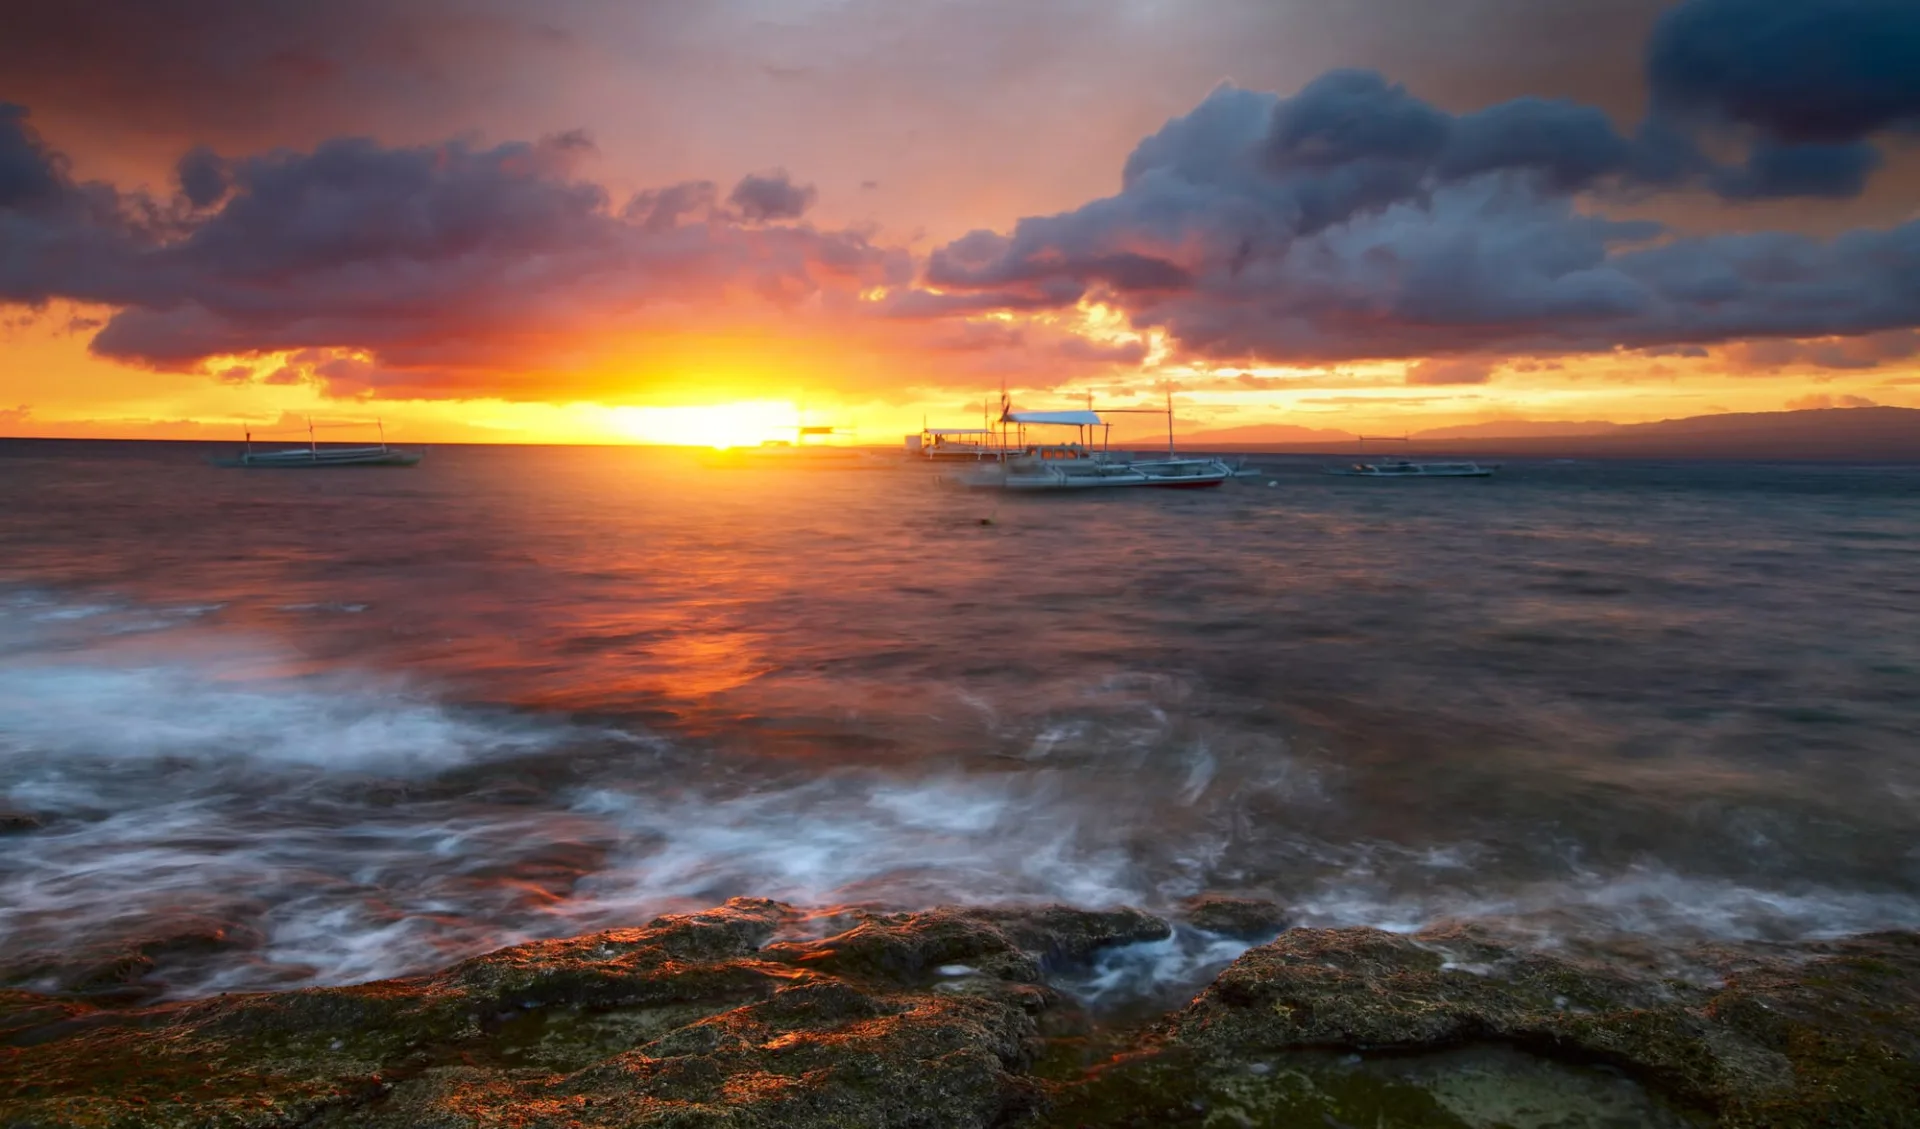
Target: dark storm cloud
x=1495, y=265
x=1795, y=70
x=1246, y=173
x=1570, y=145
x=447, y=255
x=761, y=199
x=1776, y=170
x=29, y=175
x=1356, y=220
x=59, y=236
x=658, y=209
x=202, y=176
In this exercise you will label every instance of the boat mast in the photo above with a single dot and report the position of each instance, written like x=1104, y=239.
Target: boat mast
x=313, y=446
x=383, y=432
x=1169, y=419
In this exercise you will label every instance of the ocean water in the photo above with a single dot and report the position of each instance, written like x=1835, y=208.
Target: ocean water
x=366, y=723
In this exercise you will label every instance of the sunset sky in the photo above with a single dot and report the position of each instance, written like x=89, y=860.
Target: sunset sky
x=705, y=220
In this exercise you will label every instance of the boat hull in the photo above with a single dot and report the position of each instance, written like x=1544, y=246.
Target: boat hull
x=1198, y=484
x=322, y=461
x=1061, y=482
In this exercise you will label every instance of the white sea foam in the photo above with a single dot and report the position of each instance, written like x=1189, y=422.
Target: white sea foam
x=205, y=783
x=66, y=711
x=1646, y=901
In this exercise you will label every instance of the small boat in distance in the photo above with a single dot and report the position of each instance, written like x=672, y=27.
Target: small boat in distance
x=1402, y=468
x=313, y=455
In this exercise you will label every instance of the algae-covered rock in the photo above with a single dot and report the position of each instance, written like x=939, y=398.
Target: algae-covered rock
x=14, y=821
x=1467, y=1088
x=1013, y=943
x=692, y=1020
x=937, y=1019
x=1819, y=1035
x=1245, y=919
x=1063, y=937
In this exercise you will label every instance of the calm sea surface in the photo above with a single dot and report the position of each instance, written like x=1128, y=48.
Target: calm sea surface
x=370, y=722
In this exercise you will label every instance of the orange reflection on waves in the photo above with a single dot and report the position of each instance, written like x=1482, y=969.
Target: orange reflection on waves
x=682, y=570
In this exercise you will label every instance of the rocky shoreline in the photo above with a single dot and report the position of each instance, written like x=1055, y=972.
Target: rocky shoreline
x=946, y=1018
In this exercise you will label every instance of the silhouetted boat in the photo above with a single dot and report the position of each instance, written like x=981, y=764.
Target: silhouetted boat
x=313, y=456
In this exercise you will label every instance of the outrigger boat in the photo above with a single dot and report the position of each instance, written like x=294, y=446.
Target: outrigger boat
x=313, y=455
x=1078, y=465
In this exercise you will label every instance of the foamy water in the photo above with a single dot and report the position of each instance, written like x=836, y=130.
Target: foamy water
x=368, y=727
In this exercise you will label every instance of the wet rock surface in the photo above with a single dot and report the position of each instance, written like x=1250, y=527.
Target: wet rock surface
x=15, y=821
x=1819, y=1034
x=1246, y=919
x=736, y=1017
x=912, y=1019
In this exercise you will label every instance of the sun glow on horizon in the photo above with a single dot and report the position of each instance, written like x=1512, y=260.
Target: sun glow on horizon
x=744, y=423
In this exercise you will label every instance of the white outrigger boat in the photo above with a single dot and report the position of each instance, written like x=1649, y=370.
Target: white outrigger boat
x=1402, y=468
x=1078, y=465
x=313, y=455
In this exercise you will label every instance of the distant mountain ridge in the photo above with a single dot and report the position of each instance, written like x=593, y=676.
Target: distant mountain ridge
x=1263, y=433
x=1518, y=429
x=1873, y=434
x=1838, y=434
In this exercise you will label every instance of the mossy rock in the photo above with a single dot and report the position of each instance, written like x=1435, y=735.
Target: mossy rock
x=940, y=1018
x=1815, y=1035
x=691, y=1020
x=1246, y=919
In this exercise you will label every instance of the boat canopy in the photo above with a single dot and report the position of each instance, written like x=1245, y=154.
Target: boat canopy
x=1081, y=418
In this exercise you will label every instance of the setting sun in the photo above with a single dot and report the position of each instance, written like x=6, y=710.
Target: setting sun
x=745, y=423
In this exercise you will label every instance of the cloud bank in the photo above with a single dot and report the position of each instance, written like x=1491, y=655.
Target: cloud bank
x=428, y=259
x=1351, y=220
x=1354, y=220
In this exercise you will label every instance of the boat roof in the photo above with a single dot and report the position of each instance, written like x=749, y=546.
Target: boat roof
x=1081, y=418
